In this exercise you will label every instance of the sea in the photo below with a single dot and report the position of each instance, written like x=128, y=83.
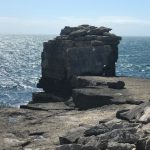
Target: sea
x=20, y=64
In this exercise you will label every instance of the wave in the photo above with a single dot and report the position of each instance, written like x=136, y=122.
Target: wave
x=20, y=64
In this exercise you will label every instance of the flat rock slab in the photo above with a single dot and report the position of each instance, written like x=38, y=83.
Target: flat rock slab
x=41, y=127
x=99, y=96
x=34, y=129
x=41, y=97
x=94, y=91
x=138, y=89
x=47, y=106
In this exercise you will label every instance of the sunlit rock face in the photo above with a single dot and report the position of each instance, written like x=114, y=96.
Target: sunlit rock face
x=82, y=50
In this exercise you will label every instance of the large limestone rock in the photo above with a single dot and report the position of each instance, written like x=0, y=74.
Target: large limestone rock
x=82, y=50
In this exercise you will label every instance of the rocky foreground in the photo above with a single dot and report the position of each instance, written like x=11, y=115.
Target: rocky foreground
x=78, y=109
x=120, y=120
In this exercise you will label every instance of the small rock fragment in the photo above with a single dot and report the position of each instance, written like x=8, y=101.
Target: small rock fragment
x=116, y=85
x=72, y=136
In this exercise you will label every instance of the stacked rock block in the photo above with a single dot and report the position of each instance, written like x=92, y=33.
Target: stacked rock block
x=82, y=50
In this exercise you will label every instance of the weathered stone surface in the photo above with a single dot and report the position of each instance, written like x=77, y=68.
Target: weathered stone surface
x=140, y=113
x=91, y=89
x=143, y=143
x=48, y=106
x=96, y=43
x=42, y=129
x=43, y=126
x=119, y=124
x=124, y=135
x=90, y=98
x=89, y=148
x=97, y=96
x=116, y=85
x=46, y=97
x=82, y=50
x=70, y=147
x=75, y=147
x=99, y=31
x=135, y=88
x=120, y=146
x=91, y=63
x=96, y=130
x=119, y=137
x=78, y=33
x=72, y=136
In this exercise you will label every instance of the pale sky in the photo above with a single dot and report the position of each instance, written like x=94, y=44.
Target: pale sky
x=125, y=17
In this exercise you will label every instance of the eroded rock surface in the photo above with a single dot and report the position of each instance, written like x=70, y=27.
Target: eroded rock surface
x=82, y=50
x=94, y=91
x=139, y=114
x=54, y=116
x=112, y=135
x=39, y=125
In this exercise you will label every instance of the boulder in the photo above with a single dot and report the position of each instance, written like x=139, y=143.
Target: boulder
x=96, y=130
x=119, y=124
x=78, y=33
x=99, y=31
x=72, y=136
x=116, y=85
x=67, y=30
x=120, y=146
x=123, y=135
x=140, y=113
x=127, y=136
x=109, y=135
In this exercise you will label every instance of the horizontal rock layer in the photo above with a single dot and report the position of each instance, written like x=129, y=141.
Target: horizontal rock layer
x=82, y=50
x=39, y=125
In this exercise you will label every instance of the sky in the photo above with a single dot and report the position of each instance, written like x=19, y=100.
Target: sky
x=125, y=17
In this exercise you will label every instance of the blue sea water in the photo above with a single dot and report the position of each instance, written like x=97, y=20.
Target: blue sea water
x=134, y=57
x=20, y=69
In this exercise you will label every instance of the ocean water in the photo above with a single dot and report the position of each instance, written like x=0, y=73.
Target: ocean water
x=20, y=69
x=134, y=57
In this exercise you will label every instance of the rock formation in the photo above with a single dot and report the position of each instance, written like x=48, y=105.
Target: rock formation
x=82, y=50
x=110, y=118
x=139, y=114
x=112, y=135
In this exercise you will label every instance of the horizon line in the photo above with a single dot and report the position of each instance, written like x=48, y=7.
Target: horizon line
x=51, y=34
